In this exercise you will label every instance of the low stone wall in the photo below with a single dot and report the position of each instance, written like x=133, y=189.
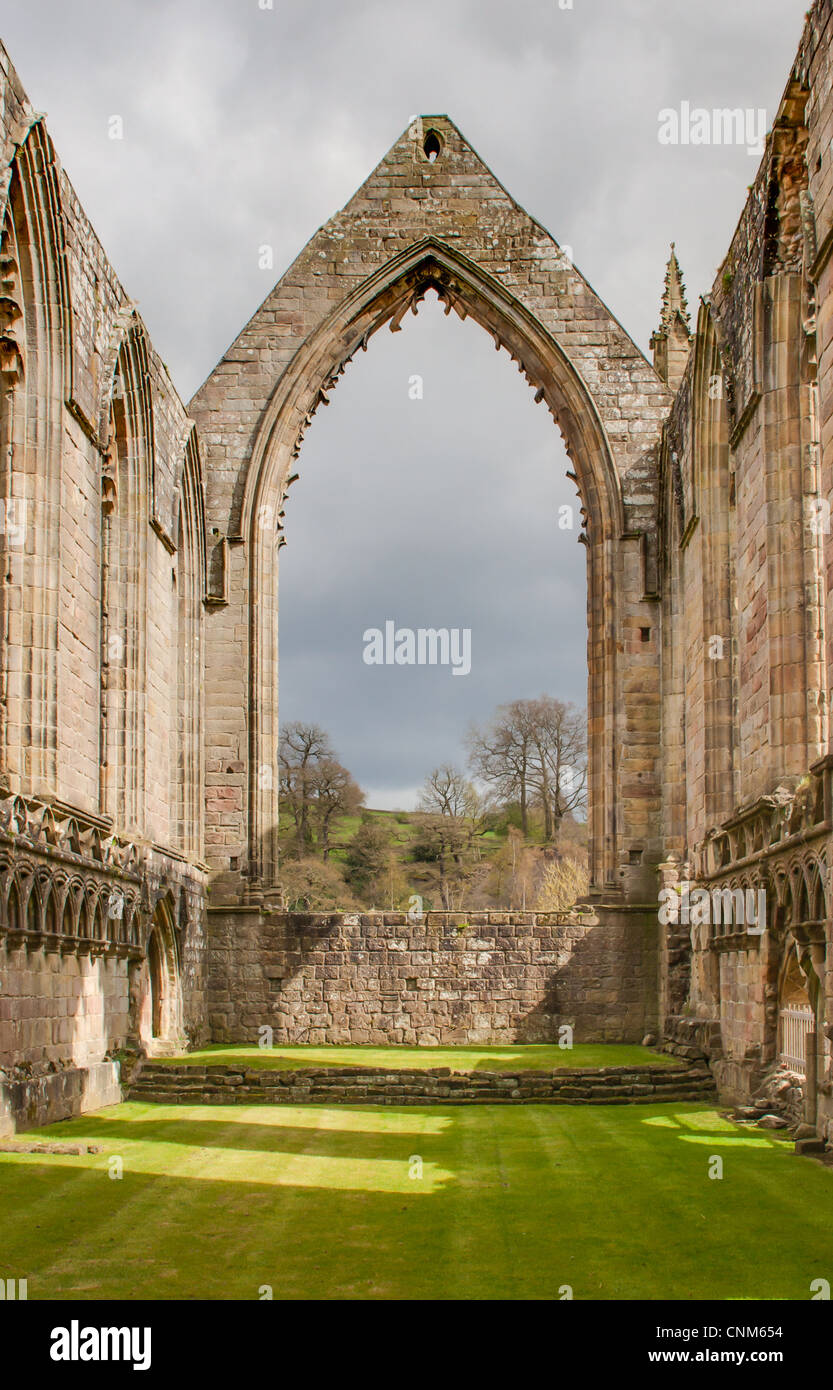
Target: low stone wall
x=27, y=1102
x=225, y=1085
x=493, y=977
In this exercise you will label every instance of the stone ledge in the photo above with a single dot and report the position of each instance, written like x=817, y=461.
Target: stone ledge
x=349, y=1086
x=42, y=1100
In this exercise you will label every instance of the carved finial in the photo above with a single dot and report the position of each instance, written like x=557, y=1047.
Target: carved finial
x=674, y=303
x=671, y=341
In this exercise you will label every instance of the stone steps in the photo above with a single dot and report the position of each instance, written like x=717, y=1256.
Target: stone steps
x=226, y=1085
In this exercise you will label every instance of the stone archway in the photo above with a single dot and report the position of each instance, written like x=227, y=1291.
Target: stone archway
x=796, y=1008
x=433, y=216
x=156, y=985
x=798, y=969
x=156, y=990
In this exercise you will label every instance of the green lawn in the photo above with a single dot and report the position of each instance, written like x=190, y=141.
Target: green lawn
x=512, y=1202
x=525, y=1057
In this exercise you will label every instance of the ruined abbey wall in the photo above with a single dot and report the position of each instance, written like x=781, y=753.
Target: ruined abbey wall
x=416, y=225
x=139, y=601
x=102, y=542
x=746, y=594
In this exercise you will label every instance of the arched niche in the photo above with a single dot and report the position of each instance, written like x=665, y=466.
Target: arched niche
x=156, y=989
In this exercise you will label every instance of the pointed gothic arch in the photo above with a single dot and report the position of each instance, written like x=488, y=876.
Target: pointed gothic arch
x=383, y=300
x=36, y=375
x=410, y=229
x=14, y=917
x=126, y=510
x=156, y=994
x=672, y=591
x=709, y=528
x=189, y=575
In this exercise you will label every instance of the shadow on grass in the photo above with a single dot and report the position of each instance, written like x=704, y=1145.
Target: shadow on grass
x=514, y=1203
x=75, y=1235
x=241, y=1134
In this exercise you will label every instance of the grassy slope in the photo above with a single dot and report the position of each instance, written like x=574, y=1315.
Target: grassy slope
x=513, y=1203
x=401, y=835
x=528, y=1057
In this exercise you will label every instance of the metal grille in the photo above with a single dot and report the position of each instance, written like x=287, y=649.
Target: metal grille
x=796, y=1023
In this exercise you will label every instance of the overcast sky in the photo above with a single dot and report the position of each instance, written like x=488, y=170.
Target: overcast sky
x=246, y=125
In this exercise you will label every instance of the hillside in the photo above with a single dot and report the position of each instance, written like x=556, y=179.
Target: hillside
x=385, y=859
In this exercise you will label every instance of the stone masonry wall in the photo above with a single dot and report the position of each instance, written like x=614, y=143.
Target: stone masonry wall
x=60, y=1008
x=100, y=688
x=97, y=325
x=378, y=978
x=61, y=1015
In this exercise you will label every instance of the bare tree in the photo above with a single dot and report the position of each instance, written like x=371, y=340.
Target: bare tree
x=500, y=753
x=314, y=786
x=447, y=842
x=558, y=771
x=534, y=752
x=302, y=747
x=334, y=793
x=373, y=868
x=447, y=792
x=452, y=820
